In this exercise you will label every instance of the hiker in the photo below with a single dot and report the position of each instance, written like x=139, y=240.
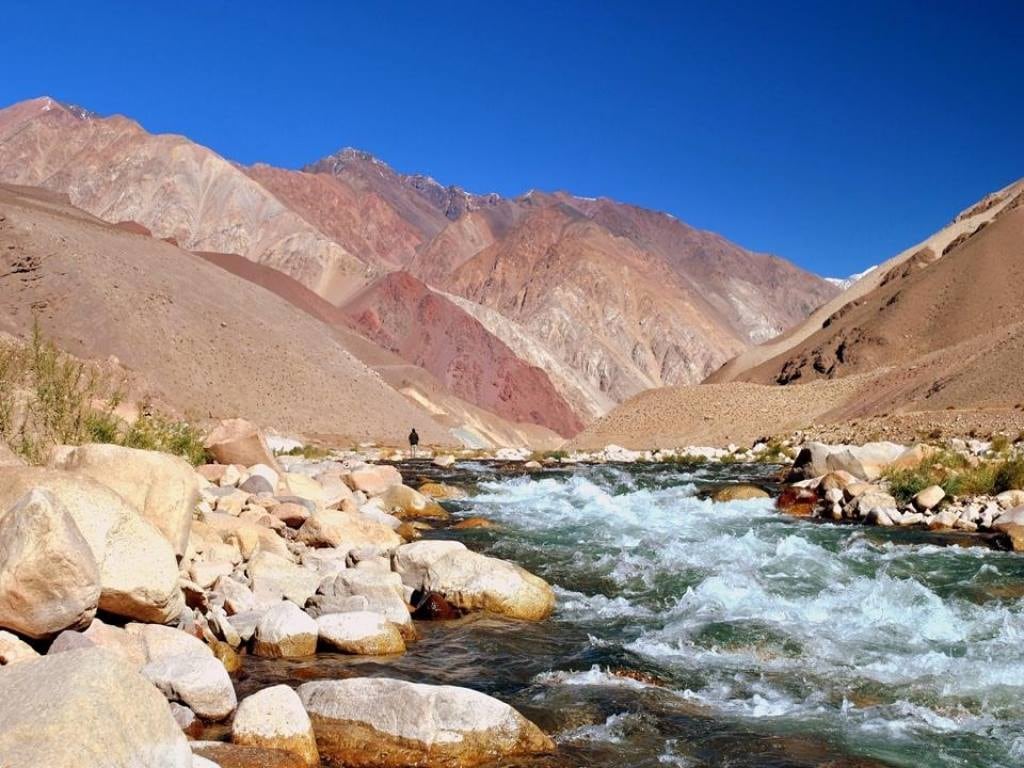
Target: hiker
x=414, y=440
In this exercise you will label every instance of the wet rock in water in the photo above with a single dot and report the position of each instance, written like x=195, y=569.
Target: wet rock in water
x=442, y=491
x=362, y=633
x=474, y=522
x=432, y=606
x=875, y=499
x=739, y=493
x=384, y=723
x=237, y=441
x=285, y=631
x=1011, y=523
x=85, y=708
x=49, y=580
x=411, y=561
x=164, y=489
x=274, y=718
x=929, y=498
x=838, y=480
x=407, y=504
x=200, y=682
x=13, y=649
x=226, y=655
x=797, y=502
x=944, y=521
x=443, y=461
x=238, y=756
x=186, y=720
x=474, y=582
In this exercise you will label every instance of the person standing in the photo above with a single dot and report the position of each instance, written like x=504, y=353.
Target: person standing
x=414, y=440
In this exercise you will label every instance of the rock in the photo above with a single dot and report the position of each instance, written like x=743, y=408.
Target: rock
x=291, y=514
x=237, y=441
x=384, y=723
x=433, y=607
x=49, y=580
x=249, y=537
x=186, y=720
x=305, y=487
x=809, y=462
x=274, y=718
x=362, y=633
x=1010, y=499
x=411, y=561
x=864, y=461
x=374, y=510
x=237, y=596
x=913, y=456
x=336, y=494
x=880, y=516
x=875, y=499
x=839, y=480
x=443, y=491
x=912, y=518
x=944, y=520
x=474, y=522
x=199, y=681
x=1011, y=523
x=284, y=631
x=205, y=573
x=797, y=502
x=256, y=484
x=226, y=655
x=739, y=493
x=138, y=569
x=13, y=649
x=472, y=581
x=164, y=489
x=929, y=498
x=834, y=495
x=85, y=708
x=244, y=623
x=444, y=461
x=373, y=479
x=275, y=578
x=237, y=756
x=334, y=528
x=382, y=593
x=159, y=642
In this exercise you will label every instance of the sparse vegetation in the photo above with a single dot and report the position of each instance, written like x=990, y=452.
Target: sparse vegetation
x=542, y=455
x=1001, y=443
x=48, y=398
x=957, y=476
x=308, y=452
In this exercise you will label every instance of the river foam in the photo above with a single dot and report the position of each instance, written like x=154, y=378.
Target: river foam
x=906, y=652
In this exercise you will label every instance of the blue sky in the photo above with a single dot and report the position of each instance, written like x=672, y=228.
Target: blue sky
x=832, y=134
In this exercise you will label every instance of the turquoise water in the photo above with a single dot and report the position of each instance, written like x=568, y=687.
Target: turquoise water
x=691, y=633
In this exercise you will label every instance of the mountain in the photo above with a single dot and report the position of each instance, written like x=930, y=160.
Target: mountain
x=931, y=339
x=606, y=299
x=209, y=344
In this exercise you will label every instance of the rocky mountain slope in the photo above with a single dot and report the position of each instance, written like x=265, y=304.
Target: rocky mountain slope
x=933, y=337
x=608, y=299
x=210, y=344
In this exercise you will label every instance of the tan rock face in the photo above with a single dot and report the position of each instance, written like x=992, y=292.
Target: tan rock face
x=49, y=579
x=237, y=441
x=274, y=718
x=740, y=493
x=138, y=569
x=13, y=649
x=164, y=489
x=362, y=633
x=363, y=722
x=407, y=504
x=285, y=631
x=335, y=528
x=85, y=707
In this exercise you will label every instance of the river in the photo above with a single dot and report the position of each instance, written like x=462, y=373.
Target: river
x=693, y=633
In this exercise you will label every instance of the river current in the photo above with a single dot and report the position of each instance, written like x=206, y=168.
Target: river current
x=694, y=633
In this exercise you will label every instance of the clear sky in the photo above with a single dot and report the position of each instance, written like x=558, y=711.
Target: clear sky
x=834, y=134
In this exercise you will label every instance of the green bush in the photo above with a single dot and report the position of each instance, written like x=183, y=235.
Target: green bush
x=1010, y=475
x=957, y=477
x=156, y=432
x=308, y=451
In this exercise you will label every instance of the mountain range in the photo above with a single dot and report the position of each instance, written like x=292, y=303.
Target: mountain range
x=499, y=320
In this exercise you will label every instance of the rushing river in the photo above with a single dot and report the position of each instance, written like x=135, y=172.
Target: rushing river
x=693, y=633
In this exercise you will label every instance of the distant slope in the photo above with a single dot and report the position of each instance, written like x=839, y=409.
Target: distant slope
x=213, y=345
x=741, y=367
x=401, y=314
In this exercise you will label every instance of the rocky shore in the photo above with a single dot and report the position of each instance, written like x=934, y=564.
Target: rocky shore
x=133, y=586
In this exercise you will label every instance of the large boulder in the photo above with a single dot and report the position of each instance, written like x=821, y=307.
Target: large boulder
x=275, y=578
x=163, y=488
x=384, y=723
x=866, y=461
x=346, y=530
x=237, y=441
x=284, y=631
x=362, y=633
x=248, y=536
x=158, y=642
x=1011, y=523
x=197, y=680
x=373, y=479
x=274, y=718
x=472, y=581
x=85, y=708
x=379, y=591
x=13, y=649
x=138, y=568
x=49, y=579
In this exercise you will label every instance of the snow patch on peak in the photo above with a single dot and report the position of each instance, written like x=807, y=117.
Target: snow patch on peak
x=845, y=282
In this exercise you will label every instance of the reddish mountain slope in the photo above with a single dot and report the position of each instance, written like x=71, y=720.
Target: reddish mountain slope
x=403, y=315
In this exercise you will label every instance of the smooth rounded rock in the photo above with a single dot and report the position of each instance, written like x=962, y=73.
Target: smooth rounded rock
x=285, y=631
x=274, y=718
x=200, y=682
x=362, y=633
